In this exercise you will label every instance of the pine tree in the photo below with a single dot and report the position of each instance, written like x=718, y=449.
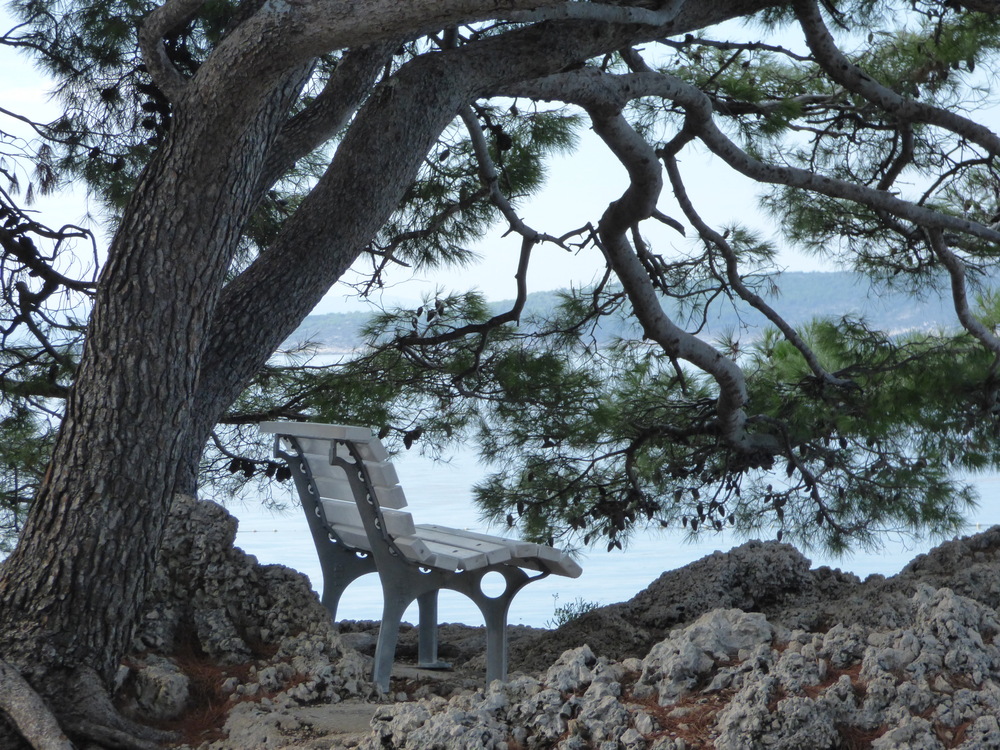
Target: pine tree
x=250, y=153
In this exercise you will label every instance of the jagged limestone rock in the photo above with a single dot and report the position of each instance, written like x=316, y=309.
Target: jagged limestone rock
x=161, y=689
x=674, y=666
x=910, y=664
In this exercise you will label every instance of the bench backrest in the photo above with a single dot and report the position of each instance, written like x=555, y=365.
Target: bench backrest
x=331, y=453
x=318, y=446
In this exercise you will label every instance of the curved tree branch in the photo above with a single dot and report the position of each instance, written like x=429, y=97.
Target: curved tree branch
x=589, y=85
x=603, y=12
x=959, y=294
x=637, y=204
x=158, y=24
x=330, y=111
x=854, y=79
x=336, y=220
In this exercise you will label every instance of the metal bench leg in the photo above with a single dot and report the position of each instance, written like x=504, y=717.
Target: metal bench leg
x=427, y=657
x=340, y=568
x=332, y=591
x=496, y=646
x=495, y=611
x=393, y=609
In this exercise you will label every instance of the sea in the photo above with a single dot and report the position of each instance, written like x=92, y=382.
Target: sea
x=440, y=493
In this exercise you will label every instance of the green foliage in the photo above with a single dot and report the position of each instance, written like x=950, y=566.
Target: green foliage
x=867, y=459
x=933, y=60
x=25, y=444
x=566, y=613
x=873, y=454
x=936, y=58
x=594, y=445
x=591, y=443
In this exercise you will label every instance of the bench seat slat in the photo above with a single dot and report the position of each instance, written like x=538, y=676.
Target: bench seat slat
x=495, y=550
x=381, y=473
x=517, y=547
x=523, y=554
x=417, y=551
x=388, y=497
x=338, y=489
x=371, y=450
x=563, y=567
x=468, y=559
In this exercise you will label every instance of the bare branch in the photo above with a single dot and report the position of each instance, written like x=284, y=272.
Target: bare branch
x=491, y=180
x=747, y=46
x=37, y=332
x=510, y=316
x=853, y=78
x=24, y=250
x=33, y=389
x=39, y=128
x=901, y=160
x=732, y=270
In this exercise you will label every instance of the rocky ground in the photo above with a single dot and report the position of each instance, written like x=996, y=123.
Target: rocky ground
x=740, y=650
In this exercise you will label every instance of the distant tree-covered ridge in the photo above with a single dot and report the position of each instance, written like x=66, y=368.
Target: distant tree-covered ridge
x=804, y=296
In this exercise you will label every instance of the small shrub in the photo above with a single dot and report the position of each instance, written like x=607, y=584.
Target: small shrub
x=564, y=613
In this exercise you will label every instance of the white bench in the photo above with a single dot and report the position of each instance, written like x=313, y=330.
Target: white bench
x=354, y=506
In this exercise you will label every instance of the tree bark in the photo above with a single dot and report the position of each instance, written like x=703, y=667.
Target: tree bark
x=71, y=590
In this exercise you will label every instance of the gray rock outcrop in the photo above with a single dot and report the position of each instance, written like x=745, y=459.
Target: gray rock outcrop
x=747, y=650
x=210, y=596
x=754, y=577
x=218, y=626
x=776, y=580
x=732, y=681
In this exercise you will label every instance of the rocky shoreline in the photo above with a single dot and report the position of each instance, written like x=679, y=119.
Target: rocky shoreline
x=739, y=650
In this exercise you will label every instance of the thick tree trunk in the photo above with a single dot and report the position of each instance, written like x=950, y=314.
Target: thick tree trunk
x=71, y=591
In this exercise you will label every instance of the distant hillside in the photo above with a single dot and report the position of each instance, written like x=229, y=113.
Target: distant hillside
x=332, y=331
x=801, y=297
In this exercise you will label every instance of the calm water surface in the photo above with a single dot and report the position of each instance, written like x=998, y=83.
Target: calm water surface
x=440, y=493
